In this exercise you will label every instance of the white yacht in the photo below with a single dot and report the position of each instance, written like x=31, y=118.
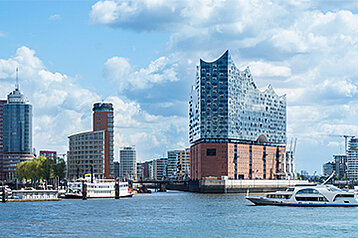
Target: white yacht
x=315, y=195
x=100, y=188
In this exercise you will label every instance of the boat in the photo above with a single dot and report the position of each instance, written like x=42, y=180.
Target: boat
x=309, y=196
x=99, y=188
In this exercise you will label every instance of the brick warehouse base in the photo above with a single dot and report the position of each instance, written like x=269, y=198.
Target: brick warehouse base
x=236, y=160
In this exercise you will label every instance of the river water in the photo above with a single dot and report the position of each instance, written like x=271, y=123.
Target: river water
x=173, y=214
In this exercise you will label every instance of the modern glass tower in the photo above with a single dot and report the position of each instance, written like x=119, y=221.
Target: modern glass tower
x=17, y=124
x=16, y=133
x=235, y=129
x=225, y=103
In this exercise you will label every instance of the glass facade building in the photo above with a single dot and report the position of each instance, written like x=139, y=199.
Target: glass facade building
x=17, y=124
x=225, y=103
x=236, y=130
x=15, y=133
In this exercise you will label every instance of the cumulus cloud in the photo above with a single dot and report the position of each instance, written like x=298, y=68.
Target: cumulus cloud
x=305, y=49
x=121, y=71
x=62, y=107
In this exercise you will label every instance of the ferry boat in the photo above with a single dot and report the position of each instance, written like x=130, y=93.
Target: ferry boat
x=314, y=195
x=100, y=188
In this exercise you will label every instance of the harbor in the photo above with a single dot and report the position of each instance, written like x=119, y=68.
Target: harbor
x=172, y=214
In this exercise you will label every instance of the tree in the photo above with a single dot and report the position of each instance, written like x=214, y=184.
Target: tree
x=59, y=168
x=41, y=168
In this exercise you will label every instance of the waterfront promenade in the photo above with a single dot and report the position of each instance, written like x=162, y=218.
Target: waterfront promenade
x=172, y=214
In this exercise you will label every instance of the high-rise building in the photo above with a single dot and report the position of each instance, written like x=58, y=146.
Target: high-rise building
x=128, y=163
x=235, y=129
x=103, y=119
x=86, y=150
x=183, y=165
x=341, y=165
x=16, y=130
x=352, y=159
x=17, y=124
x=48, y=154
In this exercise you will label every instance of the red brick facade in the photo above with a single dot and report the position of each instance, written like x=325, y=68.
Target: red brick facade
x=237, y=161
x=103, y=120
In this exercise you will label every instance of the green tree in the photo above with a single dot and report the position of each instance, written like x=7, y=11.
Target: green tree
x=47, y=168
x=60, y=168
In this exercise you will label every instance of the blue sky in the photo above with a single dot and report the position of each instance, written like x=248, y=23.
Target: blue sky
x=141, y=55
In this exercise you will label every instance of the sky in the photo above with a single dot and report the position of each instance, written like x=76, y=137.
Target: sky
x=141, y=56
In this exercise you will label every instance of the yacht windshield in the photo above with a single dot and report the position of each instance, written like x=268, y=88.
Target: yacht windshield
x=308, y=191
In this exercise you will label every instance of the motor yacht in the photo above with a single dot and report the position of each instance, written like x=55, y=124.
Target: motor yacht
x=314, y=195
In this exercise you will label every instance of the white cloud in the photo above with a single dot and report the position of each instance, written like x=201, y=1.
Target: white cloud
x=62, y=107
x=55, y=17
x=121, y=71
x=265, y=69
x=305, y=49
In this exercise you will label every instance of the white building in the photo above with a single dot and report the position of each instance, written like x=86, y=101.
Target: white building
x=128, y=163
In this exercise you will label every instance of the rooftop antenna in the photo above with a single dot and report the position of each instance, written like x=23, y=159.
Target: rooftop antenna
x=17, y=79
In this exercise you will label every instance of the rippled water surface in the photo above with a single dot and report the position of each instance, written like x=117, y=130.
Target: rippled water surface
x=173, y=214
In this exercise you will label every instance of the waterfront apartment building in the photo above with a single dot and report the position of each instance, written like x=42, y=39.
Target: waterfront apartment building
x=86, y=149
x=48, y=154
x=128, y=163
x=15, y=133
x=103, y=120
x=183, y=164
x=352, y=159
x=235, y=129
x=341, y=165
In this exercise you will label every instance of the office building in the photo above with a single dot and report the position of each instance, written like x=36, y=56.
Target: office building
x=341, y=165
x=128, y=163
x=183, y=165
x=15, y=133
x=48, y=154
x=86, y=150
x=352, y=159
x=235, y=129
x=103, y=120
